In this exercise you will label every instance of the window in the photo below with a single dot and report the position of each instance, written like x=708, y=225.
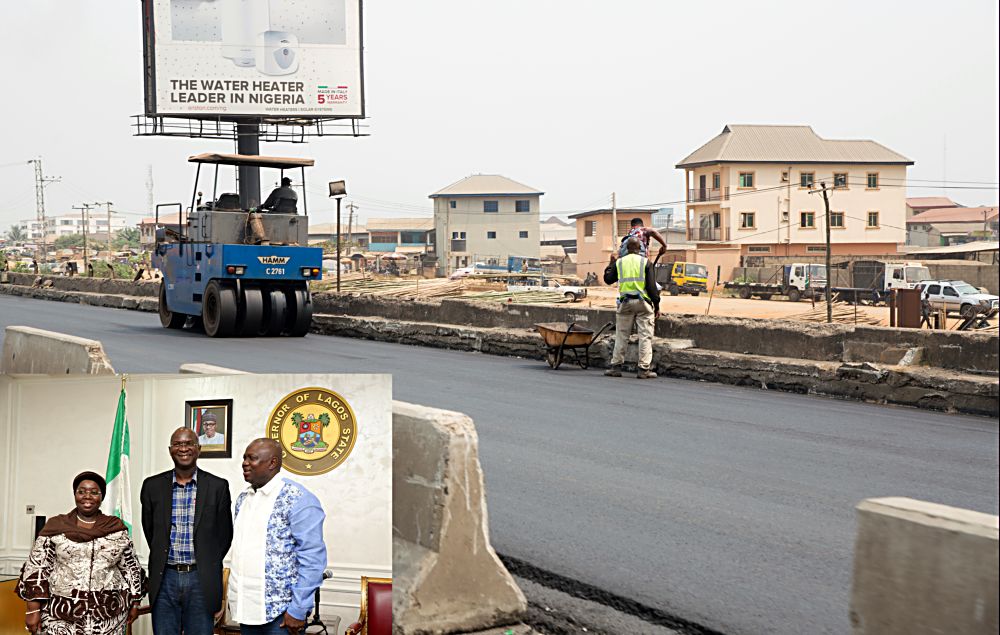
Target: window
x=590, y=228
x=383, y=237
x=784, y=177
x=934, y=289
x=816, y=249
x=806, y=179
x=837, y=220
x=748, y=220
x=454, y=235
x=872, y=219
x=452, y=204
x=461, y=235
x=491, y=206
x=950, y=291
x=522, y=234
x=491, y=235
x=624, y=226
x=872, y=181
x=746, y=180
x=716, y=180
x=807, y=220
x=758, y=249
x=840, y=180
x=522, y=206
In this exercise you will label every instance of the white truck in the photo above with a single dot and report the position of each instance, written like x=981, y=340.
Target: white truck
x=798, y=280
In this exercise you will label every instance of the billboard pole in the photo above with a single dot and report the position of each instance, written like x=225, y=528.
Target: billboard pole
x=248, y=142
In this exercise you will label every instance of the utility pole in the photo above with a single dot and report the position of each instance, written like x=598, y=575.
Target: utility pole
x=614, y=224
x=40, y=182
x=107, y=204
x=350, y=226
x=85, y=217
x=829, y=271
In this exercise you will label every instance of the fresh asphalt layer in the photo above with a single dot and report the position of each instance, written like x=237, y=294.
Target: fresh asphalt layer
x=728, y=507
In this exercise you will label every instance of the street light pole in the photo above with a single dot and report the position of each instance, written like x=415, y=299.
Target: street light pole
x=338, y=190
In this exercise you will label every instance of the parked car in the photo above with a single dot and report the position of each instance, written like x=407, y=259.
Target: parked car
x=959, y=296
x=530, y=283
x=462, y=273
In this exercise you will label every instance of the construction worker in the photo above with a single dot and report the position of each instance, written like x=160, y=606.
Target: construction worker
x=638, y=304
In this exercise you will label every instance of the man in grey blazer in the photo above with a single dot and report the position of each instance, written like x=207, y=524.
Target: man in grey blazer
x=187, y=521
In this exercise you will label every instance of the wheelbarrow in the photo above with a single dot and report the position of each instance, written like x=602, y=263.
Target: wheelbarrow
x=561, y=338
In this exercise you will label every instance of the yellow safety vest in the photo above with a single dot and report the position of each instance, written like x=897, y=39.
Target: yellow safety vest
x=632, y=276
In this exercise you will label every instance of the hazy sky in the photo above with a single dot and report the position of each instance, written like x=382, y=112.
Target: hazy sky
x=577, y=99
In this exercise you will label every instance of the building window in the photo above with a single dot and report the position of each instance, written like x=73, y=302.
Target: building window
x=383, y=237
x=816, y=249
x=491, y=206
x=452, y=204
x=624, y=227
x=840, y=180
x=748, y=220
x=807, y=220
x=491, y=235
x=461, y=235
x=746, y=180
x=522, y=234
x=837, y=220
x=806, y=179
x=716, y=180
x=784, y=176
x=454, y=235
x=590, y=228
x=522, y=206
x=758, y=249
x=872, y=219
x=872, y=181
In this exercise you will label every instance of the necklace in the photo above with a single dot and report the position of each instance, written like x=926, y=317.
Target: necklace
x=89, y=522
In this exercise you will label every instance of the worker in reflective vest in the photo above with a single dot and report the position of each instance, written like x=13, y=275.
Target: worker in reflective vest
x=638, y=304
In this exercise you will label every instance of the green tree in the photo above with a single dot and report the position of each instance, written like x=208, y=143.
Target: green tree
x=128, y=237
x=16, y=234
x=69, y=241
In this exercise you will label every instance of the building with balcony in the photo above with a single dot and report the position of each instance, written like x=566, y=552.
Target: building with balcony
x=485, y=217
x=595, y=240
x=755, y=188
x=96, y=223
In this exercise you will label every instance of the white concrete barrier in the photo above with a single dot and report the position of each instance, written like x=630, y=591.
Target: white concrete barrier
x=446, y=576
x=924, y=568
x=31, y=350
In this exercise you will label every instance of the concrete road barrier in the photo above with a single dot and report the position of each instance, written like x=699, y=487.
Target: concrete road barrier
x=447, y=577
x=31, y=350
x=924, y=568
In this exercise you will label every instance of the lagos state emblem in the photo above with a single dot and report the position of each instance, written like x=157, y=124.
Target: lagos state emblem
x=316, y=429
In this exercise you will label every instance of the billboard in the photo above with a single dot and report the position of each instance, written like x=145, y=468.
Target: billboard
x=253, y=58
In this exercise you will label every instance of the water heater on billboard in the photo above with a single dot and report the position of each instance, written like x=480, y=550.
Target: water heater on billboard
x=277, y=53
x=242, y=22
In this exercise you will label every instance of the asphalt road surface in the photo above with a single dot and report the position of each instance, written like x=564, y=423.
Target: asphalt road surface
x=728, y=507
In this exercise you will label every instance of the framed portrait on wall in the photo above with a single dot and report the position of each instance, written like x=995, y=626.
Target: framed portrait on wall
x=212, y=421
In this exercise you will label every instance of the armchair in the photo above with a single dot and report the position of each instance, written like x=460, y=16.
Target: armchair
x=376, y=608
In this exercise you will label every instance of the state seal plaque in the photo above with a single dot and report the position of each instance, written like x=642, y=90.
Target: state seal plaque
x=316, y=429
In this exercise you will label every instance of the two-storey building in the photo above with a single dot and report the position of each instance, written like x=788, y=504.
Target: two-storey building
x=597, y=237
x=755, y=187
x=485, y=216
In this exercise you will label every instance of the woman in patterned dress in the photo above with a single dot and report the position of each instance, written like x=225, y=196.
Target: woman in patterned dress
x=82, y=576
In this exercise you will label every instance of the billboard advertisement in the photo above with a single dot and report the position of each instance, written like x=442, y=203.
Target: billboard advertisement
x=256, y=58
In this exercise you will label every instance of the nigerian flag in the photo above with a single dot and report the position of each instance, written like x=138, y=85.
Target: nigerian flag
x=117, y=476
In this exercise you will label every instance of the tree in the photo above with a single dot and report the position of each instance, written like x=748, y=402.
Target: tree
x=16, y=234
x=68, y=241
x=128, y=237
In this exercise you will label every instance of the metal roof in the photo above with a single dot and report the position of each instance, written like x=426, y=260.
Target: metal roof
x=252, y=160
x=485, y=185
x=787, y=144
x=623, y=214
x=400, y=224
x=930, y=202
x=973, y=247
x=954, y=215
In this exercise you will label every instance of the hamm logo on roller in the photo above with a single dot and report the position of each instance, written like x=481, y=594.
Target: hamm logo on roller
x=273, y=260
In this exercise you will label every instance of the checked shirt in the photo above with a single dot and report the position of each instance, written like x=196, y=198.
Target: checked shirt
x=182, y=521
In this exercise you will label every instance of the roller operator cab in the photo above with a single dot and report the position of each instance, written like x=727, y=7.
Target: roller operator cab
x=240, y=272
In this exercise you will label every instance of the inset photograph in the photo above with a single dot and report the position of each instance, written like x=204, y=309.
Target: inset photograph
x=246, y=503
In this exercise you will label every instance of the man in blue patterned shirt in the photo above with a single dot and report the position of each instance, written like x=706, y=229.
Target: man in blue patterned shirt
x=278, y=553
x=188, y=526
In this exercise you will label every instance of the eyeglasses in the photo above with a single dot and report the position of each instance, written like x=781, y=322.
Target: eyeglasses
x=184, y=444
x=85, y=492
